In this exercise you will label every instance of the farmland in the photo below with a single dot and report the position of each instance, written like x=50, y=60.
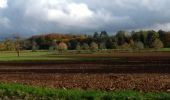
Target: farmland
x=70, y=62
x=142, y=71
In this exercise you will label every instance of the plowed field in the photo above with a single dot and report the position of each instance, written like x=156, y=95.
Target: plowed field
x=146, y=73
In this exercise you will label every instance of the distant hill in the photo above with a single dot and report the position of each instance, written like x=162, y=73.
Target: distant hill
x=4, y=36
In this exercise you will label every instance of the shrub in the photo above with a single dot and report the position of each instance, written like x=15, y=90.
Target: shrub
x=102, y=46
x=78, y=47
x=157, y=44
x=62, y=46
x=125, y=46
x=93, y=46
x=138, y=45
x=85, y=46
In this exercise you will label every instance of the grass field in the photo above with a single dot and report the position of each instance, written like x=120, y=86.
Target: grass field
x=164, y=49
x=17, y=91
x=74, y=55
x=27, y=55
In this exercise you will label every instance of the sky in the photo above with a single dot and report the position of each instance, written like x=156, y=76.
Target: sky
x=82, y=16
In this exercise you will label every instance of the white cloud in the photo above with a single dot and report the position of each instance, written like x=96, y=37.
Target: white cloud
x=165, y=26
x=156, y=27
x=61, y=12
x=3, y=3
x=72, y=15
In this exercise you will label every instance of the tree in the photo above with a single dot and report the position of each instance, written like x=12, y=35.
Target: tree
x=96, y=35
x=125, y=46
x=72, y=44
x=165, y=38
x=104, y=34
x=93, y=46
x=62, y=46
x=85, y=46
x=53, y=45
x=152, y=36
x=114, y=45
x=9, y=44
x=157, y=44
x=131, y=43
x=17, y=44
x=143, y=38
x=110, y=44
x=78, y=47
x=121, y=38
x=2, y=46
x=26, y=44
x=34, y=46
x=135, y=36
x=138, y=45
x=102, y=45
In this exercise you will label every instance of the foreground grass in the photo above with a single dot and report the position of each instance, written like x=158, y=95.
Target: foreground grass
x=17, y=91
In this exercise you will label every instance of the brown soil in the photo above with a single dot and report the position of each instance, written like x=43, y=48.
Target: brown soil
x=119, y=65
x=142, y=82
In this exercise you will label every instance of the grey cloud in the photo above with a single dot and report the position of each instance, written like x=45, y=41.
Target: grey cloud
x=83, y=16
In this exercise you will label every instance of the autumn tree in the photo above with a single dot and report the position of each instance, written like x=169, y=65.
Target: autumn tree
x=137, y=39
x=9, y=44
x=62, y=46
x=2, y=46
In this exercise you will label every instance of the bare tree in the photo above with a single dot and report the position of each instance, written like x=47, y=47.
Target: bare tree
x=17, y=43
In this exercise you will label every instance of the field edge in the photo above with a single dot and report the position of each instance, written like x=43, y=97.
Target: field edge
x=19, y=91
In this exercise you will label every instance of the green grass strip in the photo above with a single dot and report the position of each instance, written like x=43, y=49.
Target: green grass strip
x=18, y=91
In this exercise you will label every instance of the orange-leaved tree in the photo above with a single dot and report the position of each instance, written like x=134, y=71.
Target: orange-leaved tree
x=62, y=46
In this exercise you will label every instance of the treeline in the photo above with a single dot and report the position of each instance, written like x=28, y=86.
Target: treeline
x=135, y=40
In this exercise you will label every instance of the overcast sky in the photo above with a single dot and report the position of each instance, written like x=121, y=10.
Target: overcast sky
x=82, y=16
